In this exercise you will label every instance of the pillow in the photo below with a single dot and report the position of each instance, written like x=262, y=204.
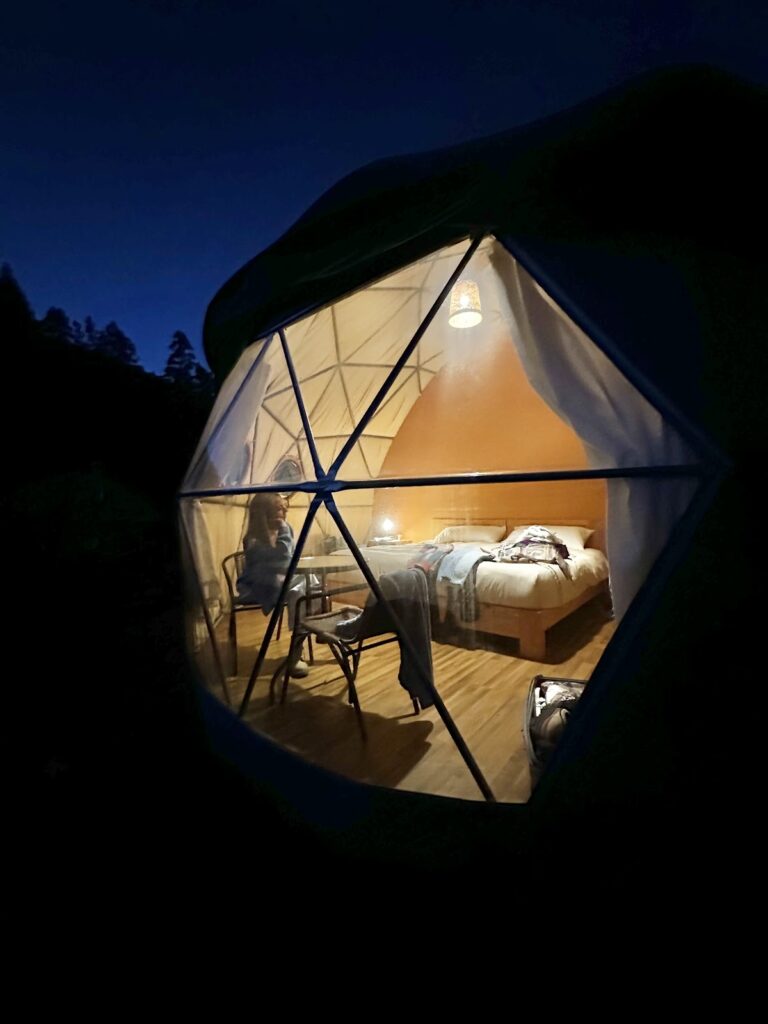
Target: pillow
x=574, y=537
x=471, y=532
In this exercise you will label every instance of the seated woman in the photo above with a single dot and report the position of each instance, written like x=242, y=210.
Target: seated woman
x=268, y=546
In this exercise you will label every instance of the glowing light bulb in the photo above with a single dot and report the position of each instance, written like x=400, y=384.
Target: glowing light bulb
x=465, y=309
x=387, y=525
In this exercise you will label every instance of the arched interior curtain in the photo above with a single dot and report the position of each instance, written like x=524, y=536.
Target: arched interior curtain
x=199, y=543
x=618, y=426
x=225, y=452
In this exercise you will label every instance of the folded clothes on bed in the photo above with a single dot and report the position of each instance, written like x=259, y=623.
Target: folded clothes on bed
x=535, y=544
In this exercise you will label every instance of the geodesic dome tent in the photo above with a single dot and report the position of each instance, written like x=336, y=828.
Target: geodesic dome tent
x=574, y=251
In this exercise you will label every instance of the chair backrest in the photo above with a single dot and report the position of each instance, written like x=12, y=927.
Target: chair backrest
x=232, y=567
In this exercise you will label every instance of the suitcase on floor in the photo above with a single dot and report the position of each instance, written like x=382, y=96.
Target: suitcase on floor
x=550, y=702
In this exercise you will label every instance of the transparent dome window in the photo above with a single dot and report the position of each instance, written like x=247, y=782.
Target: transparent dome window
x=410, y=506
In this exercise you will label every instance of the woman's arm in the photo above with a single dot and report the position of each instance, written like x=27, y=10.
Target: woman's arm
x=284, y=546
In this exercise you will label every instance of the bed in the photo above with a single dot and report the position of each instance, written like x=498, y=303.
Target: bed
x=518, y=600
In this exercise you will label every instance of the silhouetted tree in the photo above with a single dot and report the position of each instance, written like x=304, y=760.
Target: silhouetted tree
x=113, y=342
x=204, y=382
x=55, y=325
x=90, y=333
x=78, y=335
x=182, y=364
x=17, y=323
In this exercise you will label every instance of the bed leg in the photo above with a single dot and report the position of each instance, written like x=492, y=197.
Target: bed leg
x=533, y=642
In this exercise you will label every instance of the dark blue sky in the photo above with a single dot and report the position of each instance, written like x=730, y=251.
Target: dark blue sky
x=148, y=148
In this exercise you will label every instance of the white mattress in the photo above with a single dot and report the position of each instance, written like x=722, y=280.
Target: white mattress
x=512, y=584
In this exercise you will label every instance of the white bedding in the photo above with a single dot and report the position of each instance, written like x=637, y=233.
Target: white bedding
x=512, y=584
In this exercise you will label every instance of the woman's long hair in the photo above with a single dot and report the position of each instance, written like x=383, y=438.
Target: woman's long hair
x=260, y=512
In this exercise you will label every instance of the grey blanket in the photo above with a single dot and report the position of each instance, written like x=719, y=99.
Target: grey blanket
x=459, y=571
x=406, y=591
x=457, y=568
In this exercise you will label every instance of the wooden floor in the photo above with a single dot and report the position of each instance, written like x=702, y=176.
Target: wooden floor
x=484, y=691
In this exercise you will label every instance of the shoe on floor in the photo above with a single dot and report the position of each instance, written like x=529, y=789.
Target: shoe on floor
x=299, y=670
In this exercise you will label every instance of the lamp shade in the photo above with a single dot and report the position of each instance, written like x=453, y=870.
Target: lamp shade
x=465, y=310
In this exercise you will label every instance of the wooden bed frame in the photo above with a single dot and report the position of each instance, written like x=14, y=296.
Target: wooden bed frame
x=528, y=625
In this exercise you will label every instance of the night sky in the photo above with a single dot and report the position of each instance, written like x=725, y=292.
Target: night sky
x=148, y=149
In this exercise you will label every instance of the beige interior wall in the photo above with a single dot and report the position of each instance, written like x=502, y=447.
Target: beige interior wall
x=484, y=416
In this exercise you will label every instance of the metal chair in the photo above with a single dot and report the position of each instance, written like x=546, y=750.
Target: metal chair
x=232, y=567
x=346, y=632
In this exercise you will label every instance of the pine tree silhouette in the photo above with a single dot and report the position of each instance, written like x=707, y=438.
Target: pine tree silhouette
x=56, y=325
x=204, y=382
x=182, y=365
x=115, y=343
x=90, y=333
